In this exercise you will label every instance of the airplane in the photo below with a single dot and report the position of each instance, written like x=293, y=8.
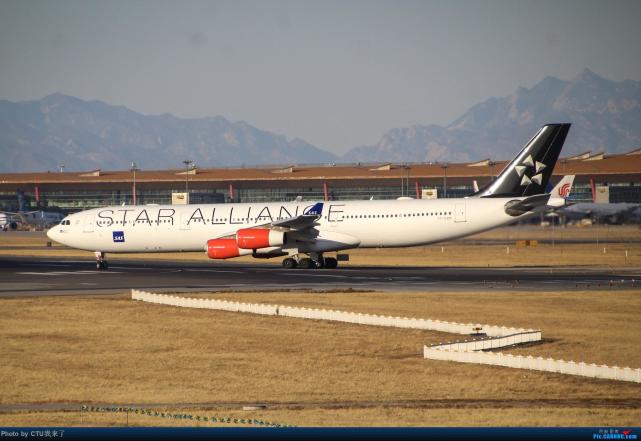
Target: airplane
x=7, y=222
x=303, y=231
x=37, y=218
x=609, y=213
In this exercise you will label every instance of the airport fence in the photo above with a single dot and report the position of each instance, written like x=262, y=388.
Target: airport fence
x=484, y=344
x=467, y=351
x=331, y=315
x=452, y=353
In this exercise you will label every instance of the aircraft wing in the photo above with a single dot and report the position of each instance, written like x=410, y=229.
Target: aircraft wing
x=20, y=214
x=302, y=222
x=12, y=215
x=298, y=223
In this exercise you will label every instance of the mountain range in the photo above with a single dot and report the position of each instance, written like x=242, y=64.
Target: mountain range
x=605, y=117
x=87, y=135
x=84, y=135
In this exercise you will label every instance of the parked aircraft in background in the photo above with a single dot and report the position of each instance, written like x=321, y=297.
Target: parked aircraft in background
x=608, y=213
x=295, y=229
x=41, y=219
x=6, y=222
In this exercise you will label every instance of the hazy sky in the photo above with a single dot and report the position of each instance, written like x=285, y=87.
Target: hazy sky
x=337, y=74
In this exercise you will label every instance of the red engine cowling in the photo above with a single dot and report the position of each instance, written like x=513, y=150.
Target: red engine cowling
x=224, y=249
x=255, y=238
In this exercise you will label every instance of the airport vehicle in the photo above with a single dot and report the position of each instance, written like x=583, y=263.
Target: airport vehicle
x=37, y=218
x=295, y=229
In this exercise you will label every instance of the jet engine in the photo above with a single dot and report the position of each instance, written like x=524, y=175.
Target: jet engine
x=224, y=249
x=255, y=238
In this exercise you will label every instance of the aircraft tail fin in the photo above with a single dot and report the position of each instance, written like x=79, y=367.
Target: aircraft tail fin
x=529, y=173
x=563, y=188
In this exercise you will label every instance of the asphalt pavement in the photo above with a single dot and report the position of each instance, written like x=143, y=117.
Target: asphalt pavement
x=31, y=276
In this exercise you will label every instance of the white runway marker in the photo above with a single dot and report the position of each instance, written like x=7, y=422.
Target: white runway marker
x=66, y=273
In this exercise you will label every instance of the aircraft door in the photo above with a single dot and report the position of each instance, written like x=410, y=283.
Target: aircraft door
x=459, y=212
x=88, y=225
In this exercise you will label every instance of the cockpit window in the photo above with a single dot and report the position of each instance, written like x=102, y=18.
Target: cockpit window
x=65, y=222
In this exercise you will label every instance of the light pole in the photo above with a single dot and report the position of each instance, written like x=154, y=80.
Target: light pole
x=444, y=167
x=133, y=190
x=407, y=188
x=188, y=165
x=61, y=166
x=404, y=167
x=492, y=164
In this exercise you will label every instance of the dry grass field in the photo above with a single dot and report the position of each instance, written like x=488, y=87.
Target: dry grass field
x=110, y=349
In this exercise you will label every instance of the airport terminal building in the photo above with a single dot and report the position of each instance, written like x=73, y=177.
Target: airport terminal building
x=600, y=177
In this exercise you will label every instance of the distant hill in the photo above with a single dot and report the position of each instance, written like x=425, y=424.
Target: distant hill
x=85, y=135
x=606, y=116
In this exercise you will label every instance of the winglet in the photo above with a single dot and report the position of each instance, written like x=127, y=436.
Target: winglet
x=315, y=210
x=563, y=188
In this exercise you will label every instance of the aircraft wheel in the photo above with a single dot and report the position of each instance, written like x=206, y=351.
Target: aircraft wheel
x=306, y=263
x=331, y=263
x=289, y=263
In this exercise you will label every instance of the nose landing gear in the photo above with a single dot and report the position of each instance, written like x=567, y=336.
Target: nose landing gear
x=101, y=260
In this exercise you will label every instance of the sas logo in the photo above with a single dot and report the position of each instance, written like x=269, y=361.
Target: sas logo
x=119, y=236
x=564, y=191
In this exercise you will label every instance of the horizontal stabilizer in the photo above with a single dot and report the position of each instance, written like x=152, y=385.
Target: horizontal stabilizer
x=518, y=207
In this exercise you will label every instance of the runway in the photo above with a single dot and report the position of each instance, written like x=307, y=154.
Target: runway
x=42, y=276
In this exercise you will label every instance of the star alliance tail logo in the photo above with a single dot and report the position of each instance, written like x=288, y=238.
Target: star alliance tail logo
x=535, y=176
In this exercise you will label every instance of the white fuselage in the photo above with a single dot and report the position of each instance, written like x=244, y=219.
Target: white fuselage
x=342, y=225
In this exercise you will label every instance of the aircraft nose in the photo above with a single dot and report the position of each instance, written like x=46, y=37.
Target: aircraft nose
x=53, y=234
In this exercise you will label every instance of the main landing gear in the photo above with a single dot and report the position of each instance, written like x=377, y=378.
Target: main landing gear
x=312, y=262
x=101, y=260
